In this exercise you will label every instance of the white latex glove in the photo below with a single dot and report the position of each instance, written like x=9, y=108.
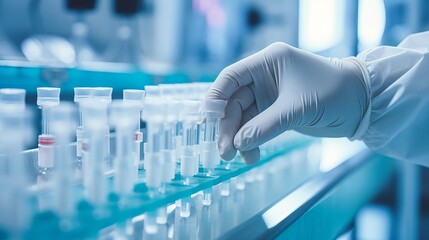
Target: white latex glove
x=283, y=88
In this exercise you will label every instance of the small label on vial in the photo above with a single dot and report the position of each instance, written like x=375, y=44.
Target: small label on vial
x=138, y=136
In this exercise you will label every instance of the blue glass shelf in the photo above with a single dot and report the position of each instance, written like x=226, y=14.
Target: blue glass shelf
x=89, y=220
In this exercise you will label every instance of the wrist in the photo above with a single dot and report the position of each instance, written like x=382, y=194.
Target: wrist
x=360, y=75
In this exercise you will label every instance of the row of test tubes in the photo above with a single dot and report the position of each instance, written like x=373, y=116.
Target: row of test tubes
x=175, y=140
x=179, y=141
x=182, y=139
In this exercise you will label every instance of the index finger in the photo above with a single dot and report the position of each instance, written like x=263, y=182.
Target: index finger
x=235, y=76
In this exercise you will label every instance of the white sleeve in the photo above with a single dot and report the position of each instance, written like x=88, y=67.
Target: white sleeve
x=397, y=121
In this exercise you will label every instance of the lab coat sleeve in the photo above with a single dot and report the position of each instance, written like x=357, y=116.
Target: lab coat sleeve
x=397, y=121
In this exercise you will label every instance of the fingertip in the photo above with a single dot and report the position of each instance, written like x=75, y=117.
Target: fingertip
x=243, y=138
x=225, y=147
x=227, y=154
x=251, y=157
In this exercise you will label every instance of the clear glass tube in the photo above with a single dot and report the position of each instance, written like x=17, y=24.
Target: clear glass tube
x=46, y=146
x=154, y=164
x=45, y=126
x=46, y=98
x=178, y=135
x=95, y=113
x=189, y=160
x=15, y=200
x=136, y=97
x=154, y=159
x=209, y=156
x=123, y=115
x=104, y=95
x=63, y=122
x=168, y=152
x=80, y=94
x=188, y=163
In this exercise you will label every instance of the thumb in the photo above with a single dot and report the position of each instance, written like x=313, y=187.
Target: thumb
x=263, y=127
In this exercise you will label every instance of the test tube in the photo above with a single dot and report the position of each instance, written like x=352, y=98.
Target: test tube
x=95, y=122
x=170, y=120
x=189, y=162
x=213, y=111
x=104, y=94
x=15, y=201
x=154, y=162
x=123, y=116
x=136, y=96
x=47, y=97
x=168, y=152
x=151, y=91
x=80, y=94
x=63, y=124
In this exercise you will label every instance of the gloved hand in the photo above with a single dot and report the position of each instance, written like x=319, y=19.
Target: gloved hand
x=283, y=88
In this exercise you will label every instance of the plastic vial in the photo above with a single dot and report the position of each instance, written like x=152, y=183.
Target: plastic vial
x=80, y=94
x=95, y=122
x=123, y=117
x=104, y=94
x=154, y=162
x=189, y=162
x=213, y=111
x=170, y=122
x=136, y=96
x=151, y=91
x=47, y=97
x=168, y=152
x=190, y=117
x=14, y=179
x=62, y=121
x=180, y=95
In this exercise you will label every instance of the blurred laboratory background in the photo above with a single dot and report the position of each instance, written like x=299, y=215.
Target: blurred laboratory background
x=125, y=44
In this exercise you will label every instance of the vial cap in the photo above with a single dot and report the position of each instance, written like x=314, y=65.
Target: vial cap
x=124, y=114
x=102, y=93
x=48, y=96
x=167, y=90
x=134, y=95
x=152, y=91
x=191, y=107
x=214, y=107
x=182, y=91
x=81, y=93
x=12, y=96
